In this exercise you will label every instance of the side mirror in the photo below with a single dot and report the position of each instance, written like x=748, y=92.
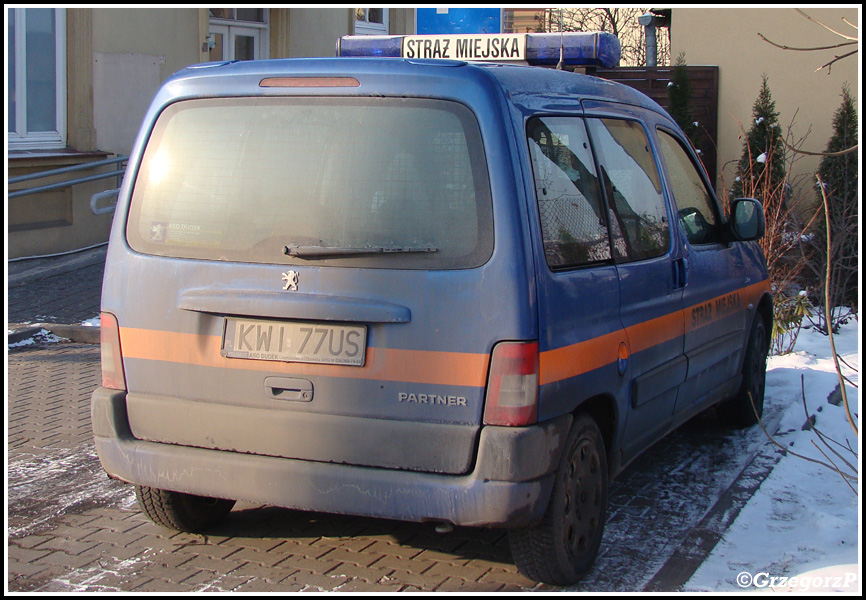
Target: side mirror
x=747, y=219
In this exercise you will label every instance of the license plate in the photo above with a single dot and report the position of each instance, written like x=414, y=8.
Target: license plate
x=321, y=343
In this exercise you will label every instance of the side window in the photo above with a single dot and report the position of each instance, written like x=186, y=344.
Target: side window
x=639, y=222
x=572, y=219
x=695, y=204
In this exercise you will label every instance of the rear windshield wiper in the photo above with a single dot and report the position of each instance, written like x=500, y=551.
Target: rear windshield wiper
x=326, y=251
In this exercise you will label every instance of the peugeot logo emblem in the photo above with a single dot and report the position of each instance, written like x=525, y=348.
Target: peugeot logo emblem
x=291, y=279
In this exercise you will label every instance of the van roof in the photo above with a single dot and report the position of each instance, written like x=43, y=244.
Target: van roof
x=529, y=87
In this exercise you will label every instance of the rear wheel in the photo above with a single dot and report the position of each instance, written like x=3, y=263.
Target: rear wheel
x=183, y=512
x=738, y=411
x=562, y=547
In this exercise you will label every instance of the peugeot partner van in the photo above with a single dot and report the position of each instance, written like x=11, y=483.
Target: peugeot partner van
x=419, y=288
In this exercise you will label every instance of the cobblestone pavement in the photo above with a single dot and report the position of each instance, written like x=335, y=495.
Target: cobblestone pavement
x=68, y=297
x=70, y=528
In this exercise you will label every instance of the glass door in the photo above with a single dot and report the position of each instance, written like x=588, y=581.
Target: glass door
x=238, y=34
x=229, y=42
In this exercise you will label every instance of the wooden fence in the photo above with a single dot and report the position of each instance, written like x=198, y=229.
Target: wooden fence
x=653, y=81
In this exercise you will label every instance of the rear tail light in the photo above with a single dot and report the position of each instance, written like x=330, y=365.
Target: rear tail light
x=512, y=388
x=112, y=358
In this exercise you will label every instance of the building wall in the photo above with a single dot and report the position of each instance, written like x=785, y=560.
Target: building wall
x=805, y=99
x=134, y=50
x=314, y=31
x=401, y=21
x=116, y=59
x=58, y=220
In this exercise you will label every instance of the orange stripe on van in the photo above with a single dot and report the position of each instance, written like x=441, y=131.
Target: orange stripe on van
x=645, y=335
x=576, y=359
x=419, y=366
x=384, y=364
x=570, y=361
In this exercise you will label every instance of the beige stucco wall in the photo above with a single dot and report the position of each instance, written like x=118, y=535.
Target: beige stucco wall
x=133, y=51
x=728, y=37
x=56, y=221
x=314, y=31
x=169, y=32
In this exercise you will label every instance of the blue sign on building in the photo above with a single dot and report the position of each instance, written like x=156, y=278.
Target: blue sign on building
x=447, y=21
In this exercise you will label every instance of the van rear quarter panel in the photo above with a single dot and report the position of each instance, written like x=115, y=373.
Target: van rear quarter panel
x=429, y=369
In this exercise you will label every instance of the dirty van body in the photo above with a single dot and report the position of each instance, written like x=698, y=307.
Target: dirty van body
x=419, y=290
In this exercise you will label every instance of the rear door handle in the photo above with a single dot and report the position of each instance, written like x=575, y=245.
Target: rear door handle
x=289, y=388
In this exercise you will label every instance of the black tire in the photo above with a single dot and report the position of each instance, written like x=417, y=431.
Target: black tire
x=183, y=512
x=562, y=547
x=738, y=411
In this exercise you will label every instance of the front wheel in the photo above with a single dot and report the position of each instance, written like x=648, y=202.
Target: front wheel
x=562, y=547
x=183, y=512
x=739, y=410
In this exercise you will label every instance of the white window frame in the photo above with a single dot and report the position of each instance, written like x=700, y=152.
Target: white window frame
x=20, y=138
x=229, y=32
x=231, y=27
x=367, y=28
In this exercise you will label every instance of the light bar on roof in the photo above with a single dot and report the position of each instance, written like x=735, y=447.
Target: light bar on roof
x=586, y=49
x=380, y=46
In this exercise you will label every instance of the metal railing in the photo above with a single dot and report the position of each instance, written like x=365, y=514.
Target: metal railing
x=94, y=200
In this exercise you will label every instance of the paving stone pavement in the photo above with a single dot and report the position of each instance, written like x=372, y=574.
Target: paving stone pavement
x=70, y=528
x=40, y=292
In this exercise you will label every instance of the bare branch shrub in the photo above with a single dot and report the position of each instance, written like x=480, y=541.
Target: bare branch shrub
x=836, y=266
x=849, y=40
x=790, y=212
x=620, y=21
x=838, y=457
x=848, y=473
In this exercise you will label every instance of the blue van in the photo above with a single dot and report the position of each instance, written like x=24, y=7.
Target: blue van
x=419, y=289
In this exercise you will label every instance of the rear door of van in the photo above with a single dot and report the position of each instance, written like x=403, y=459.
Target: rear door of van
x=311, y=274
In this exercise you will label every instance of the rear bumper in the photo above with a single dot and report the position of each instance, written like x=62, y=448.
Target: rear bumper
x=509, y=486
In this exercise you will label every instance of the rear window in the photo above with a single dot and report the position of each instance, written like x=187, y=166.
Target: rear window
x=390, y=183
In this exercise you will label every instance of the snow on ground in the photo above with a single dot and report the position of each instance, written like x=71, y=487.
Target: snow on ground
x=43, y=336
x=800, y=531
